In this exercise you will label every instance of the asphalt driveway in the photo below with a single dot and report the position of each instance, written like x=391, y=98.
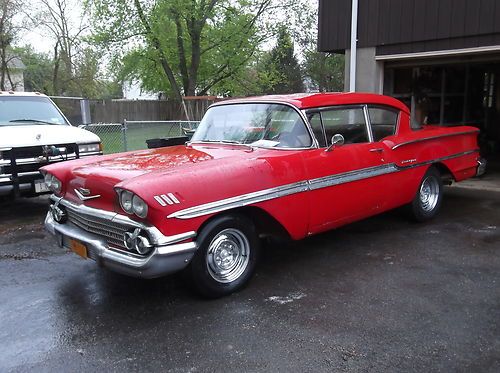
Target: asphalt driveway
x=383, y=295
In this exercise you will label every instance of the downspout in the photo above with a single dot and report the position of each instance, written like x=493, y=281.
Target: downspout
x=354, y=41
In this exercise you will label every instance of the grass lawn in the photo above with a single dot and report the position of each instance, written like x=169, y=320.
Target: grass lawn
x=113, y=140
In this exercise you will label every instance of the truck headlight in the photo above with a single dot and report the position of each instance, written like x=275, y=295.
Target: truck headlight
x=90, y=148
x=132, y=203
x=53, y=183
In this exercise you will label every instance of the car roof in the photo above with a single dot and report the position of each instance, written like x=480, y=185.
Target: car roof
x=24, y=94
x=316, y=100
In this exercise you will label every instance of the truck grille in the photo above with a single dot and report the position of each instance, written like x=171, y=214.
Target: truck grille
x=29, y=159
x=111, y=232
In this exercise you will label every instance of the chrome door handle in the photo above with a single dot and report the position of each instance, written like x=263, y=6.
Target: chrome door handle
x=377, y=150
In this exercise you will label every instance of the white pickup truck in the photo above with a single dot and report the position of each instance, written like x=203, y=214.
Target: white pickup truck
x=34, y=133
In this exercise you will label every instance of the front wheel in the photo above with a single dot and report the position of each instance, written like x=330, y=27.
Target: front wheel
x=427, y=201
x=228, y=249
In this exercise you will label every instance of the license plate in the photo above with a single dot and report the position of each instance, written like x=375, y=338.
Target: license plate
x=78, y=248
x=40, y=186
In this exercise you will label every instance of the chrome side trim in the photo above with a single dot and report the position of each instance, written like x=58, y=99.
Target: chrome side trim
x=433, y=138
x=437, y=160
x=347, y=177
x=157, y=237
x=241, y=200
x=301, y=186
x=368, y=123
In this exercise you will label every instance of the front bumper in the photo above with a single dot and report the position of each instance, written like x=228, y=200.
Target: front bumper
x=169, y=254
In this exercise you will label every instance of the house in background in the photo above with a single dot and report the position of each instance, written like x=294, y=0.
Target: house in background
x=132, y=91
x=440, y=57
x=14, y=77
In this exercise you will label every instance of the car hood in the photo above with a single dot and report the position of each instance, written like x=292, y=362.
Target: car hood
x=33, y=135
x=133, y=169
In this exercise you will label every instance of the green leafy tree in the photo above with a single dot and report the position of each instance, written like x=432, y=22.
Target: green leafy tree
x=38, y=71
x=184, y=47
x=280, y=71
x=325, y=70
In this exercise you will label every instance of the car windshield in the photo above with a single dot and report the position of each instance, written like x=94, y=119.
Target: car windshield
x=22, y=110
x=264, y=125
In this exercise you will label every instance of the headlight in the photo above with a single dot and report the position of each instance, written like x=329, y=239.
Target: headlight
x=90, y=148
x=132, y=203
x=139, y=207
x=126, y=201
x=53, y=183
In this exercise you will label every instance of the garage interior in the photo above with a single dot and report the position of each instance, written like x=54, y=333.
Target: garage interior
x=452, y=92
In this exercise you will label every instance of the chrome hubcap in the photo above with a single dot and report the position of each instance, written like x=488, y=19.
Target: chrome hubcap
x=228, y=255
x=429, y=193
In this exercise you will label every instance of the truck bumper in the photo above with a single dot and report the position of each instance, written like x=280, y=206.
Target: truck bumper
x=164, y=259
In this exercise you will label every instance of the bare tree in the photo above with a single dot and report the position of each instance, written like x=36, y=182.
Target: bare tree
x=56, y=19
x=8, y=31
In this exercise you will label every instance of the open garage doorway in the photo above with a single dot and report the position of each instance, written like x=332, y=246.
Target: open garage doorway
x=452, y=93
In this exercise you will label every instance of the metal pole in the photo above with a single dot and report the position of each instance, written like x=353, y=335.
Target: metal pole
x=124, y=135
x=354, y=40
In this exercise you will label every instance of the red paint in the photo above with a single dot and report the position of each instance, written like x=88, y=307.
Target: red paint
x=200, y=174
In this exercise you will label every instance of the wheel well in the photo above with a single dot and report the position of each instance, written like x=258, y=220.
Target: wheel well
x=265, y=224
x=445, y=172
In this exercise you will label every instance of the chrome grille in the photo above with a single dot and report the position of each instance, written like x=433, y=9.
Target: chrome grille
x=111, y=232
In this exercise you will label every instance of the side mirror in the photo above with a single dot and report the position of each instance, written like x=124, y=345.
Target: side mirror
x=337, y=140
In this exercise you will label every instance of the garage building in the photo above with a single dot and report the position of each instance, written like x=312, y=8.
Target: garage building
x=440, y=57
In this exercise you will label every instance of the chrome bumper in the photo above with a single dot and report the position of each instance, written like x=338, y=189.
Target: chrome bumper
x=481, y=166
x=169, y=257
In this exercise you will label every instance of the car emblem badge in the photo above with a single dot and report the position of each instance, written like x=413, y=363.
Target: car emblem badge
x=38, y=136
x=84, y=194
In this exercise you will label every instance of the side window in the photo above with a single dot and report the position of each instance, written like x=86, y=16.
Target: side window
x=315, y=121
x=383, y=121
x=349, y=122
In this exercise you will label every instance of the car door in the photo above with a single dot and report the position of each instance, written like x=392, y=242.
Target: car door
x=345, y=181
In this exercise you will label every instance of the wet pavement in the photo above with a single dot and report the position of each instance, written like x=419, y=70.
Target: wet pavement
x=383, y=295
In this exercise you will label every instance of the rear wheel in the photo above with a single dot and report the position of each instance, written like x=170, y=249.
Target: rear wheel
x=228, y=249
x=427, y=201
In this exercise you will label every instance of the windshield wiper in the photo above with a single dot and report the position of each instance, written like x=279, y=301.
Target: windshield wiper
x=31, y=120
x=221, y=141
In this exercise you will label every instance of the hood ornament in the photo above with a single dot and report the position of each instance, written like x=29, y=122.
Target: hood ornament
x=84, y=194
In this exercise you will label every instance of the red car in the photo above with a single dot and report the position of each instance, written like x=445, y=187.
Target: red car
x=295, y=165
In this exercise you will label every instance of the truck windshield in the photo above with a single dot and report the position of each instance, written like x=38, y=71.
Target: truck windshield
x=256, y=124
x=22, y=110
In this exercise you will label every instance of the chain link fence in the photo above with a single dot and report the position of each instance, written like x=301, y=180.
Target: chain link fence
x=132, y=135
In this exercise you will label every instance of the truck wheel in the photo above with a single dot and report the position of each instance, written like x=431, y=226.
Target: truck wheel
x=427, y=201
x=228, y=249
